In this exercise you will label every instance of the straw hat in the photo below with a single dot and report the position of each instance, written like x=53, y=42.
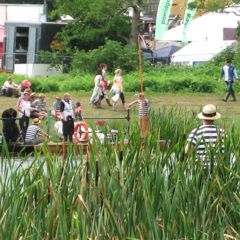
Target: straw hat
x=41, y=95
x=209, y=112
x=36, y=121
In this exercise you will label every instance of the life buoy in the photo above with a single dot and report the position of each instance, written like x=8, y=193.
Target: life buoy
x=84, y=135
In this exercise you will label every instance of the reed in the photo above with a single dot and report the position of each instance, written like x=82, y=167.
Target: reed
x=140, y=191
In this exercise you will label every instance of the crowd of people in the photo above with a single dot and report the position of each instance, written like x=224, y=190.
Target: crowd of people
x=101, y=87
x=31, y=105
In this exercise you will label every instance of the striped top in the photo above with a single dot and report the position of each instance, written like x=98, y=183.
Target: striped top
x=32, y=132
x=40, y=105
x=143, y=107
x=206, y=137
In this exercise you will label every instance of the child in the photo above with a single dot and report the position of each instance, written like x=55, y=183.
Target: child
x=78, y=111
x=143, y=108
x=56, y=108
x=40, y=106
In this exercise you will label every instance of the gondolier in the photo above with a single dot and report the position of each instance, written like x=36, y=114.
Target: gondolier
x=66, y=109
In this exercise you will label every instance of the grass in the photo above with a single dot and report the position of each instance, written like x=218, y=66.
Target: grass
x=187, y=102
x=135, y=192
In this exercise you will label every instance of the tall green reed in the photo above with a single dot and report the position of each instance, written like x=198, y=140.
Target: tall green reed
x=135, y=191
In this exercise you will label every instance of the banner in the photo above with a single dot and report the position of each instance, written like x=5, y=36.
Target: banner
x=163, y=13
x=188, y=16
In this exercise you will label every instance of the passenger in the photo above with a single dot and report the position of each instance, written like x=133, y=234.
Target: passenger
x=56, y=108
x=40, y=107
x=34, y=112
x=207, y=136
x=66, y=109
x=9, y=88
x=34, y=134
x=78, y=111
x=10, y=128
x=24, y=110
x=117, y=89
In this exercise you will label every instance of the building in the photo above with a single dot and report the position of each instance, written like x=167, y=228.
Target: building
x=23, y=43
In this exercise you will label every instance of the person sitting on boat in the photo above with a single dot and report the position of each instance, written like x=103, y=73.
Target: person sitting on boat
x=78, y=111
x=56, y=108
x=34, y=134
x=68, y=116
x=40, y=107
x=10, y=88
x=10, y=128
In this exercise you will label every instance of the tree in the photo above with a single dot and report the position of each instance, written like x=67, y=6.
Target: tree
x=214, y=5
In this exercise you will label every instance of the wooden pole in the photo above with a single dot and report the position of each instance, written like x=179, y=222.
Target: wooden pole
x=140, y=63
x=144, y=128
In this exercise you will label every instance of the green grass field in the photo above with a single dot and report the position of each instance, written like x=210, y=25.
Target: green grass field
x=188, y=102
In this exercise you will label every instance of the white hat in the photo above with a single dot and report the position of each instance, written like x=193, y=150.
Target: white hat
x=209, y=112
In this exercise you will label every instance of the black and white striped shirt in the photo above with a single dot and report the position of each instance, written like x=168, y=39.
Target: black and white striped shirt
x=206, y=137
x=143, y=107
x=32, y=133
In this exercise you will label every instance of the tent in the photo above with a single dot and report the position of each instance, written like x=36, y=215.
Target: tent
x=160, y=55
x=209, y=27
x=164, y=54
x=198, y=52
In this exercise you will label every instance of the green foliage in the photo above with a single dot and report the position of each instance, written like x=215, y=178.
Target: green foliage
x=94, y=21
x=140, y=191
x=113, y=53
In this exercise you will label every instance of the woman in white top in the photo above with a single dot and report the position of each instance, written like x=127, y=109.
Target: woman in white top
x=97, y=91
x=117, y=88
x=24, y=110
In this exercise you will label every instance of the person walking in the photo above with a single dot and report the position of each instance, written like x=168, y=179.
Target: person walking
x=207, y=136
x=104, y=83
x=66, y=108
x=117, y=89
x=230, y=75
x=96, y=97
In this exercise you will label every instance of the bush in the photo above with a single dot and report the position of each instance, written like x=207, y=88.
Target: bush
x=113, y=53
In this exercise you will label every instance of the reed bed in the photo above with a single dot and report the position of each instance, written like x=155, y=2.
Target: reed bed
x=135, y=191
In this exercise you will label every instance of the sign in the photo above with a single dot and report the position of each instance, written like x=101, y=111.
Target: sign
x=163, y=13
x=188, y=16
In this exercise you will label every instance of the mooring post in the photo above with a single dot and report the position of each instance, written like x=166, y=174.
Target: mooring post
x=48, y=122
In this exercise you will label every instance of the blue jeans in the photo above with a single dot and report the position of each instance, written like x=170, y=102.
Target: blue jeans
x=230, y=91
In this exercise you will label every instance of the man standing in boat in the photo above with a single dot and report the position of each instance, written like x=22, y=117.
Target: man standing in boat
x=24, y=110
x=66, y=109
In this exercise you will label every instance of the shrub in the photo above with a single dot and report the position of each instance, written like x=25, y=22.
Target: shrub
x=113, y=53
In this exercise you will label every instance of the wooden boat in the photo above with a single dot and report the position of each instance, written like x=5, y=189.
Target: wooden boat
x=15, y=149
x=62, y=148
